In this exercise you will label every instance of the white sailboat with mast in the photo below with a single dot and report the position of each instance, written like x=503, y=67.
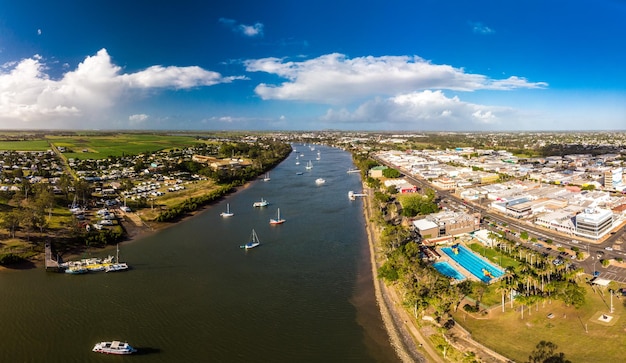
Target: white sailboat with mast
x=228, y=213
x=117, y=266
x=254, y=241
x=277, y=220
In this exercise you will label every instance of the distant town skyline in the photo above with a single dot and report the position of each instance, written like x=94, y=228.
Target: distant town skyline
x=282, y=65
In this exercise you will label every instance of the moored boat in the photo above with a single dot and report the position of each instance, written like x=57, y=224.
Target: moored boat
x=114, y=347
x=228, y=213
x=254, y=241
x=76, y=270
x=116, y=267
x=277, y=220
x=320, y=181
x=262, y=203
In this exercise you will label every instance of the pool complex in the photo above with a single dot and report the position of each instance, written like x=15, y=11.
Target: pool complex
x=472, y=263
x=446, y=269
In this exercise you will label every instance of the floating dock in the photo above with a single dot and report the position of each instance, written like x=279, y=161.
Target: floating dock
x=352, y=195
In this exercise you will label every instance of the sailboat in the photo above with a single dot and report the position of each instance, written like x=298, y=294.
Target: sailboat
x=297, y=159
x=117, y=266
x=267, y=177
x=309, y=165
x=228, y=213
x=277, y=220
x=318, y=155
x=254, y=241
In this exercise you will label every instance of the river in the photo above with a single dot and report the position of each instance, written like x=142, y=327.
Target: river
x=193, y=295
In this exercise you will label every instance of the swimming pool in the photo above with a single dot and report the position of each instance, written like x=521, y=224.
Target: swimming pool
x=446, y=269
x=472, y=263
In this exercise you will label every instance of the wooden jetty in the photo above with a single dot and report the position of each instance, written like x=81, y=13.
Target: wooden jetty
x=51, y=264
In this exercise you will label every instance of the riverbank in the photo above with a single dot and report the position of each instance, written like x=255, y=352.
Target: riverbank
x=404, y=334
x=407, y=337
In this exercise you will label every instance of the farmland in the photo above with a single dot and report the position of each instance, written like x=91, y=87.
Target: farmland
x=100, y=146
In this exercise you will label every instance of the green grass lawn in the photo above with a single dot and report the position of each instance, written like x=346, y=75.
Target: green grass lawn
x=494, y=255
x=515, y=338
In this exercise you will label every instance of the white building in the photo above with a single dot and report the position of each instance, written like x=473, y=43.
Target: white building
x=594, y=223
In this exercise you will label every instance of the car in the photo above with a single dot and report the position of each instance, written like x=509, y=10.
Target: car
x=596, y=273
x=608, y=248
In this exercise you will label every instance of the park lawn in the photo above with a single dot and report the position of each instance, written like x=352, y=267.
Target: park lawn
x=494, y=255
x=509, y=335
x=103, y=146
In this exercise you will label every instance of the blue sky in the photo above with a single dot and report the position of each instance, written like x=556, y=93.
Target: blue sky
x=417, y=65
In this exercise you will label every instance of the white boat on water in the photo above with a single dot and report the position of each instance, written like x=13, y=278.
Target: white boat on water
x=277, y=220
x=114, y=347
x=76, y=270
x=319, y=181
x=228, y=213
x=309, y=165
x=117, y=266
x=114, y=267
x=254, y=241
x=267, y=177
x=297, y=159
x=262, y=203
x=355, y=170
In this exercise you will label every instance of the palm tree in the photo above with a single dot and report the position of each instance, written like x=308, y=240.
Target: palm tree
x=502, y=288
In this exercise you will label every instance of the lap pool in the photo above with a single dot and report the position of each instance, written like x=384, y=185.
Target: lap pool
x=483, y=270
x=446, y=269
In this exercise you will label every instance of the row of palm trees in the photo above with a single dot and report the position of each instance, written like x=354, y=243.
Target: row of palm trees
x=536, y=279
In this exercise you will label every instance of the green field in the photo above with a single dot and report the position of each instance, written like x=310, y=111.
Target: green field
x=28, y=145
x=101, y=147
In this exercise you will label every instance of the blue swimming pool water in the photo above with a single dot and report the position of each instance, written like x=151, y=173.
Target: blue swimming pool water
x=446, y=269
x=472, y=263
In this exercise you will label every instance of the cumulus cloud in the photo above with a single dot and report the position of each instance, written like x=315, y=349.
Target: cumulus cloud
x=425, y=110
x=29, y=94
x=254, y=30
x=336, y=79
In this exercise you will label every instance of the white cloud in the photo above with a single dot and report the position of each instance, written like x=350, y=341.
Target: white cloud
x=28, y=94
x=425, y=110
x=254, y=30
x=138, y=118
x=38, y=31
x=480, y=28
x=335, y=79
